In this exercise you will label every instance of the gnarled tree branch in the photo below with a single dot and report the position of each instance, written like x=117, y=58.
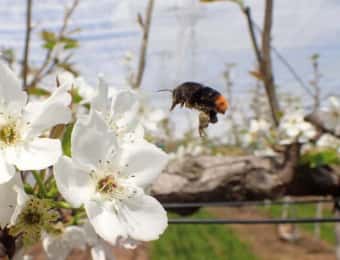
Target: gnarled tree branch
x=210, y=178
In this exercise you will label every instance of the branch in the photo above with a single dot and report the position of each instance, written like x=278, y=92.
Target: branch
x=211, y=178
x=247, y=12
x=25, y=67
x=266, y=65
x=263, y=55
x=42, y=72
x=145, y=25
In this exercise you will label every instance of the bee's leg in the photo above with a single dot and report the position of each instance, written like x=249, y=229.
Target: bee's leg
x=204, y=120
x=174, y=103
x=202, y=132
x=213, y=117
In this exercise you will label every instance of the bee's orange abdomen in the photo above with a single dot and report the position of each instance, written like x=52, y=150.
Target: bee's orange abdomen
x=221, y=104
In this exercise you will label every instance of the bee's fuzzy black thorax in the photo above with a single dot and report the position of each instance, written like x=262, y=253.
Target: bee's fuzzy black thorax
x=195, y=95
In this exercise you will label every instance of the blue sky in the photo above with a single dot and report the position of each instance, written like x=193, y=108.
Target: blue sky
x=189, y=41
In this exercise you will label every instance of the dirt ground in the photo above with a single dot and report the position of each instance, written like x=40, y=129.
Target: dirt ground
x=264, y=241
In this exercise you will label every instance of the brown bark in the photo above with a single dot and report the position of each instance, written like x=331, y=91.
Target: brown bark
x=266, y=65
x=210, y=178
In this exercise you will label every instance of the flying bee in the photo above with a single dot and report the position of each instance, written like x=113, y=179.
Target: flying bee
x=205, y=99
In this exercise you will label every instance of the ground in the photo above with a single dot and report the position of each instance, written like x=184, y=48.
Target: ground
x=264, y=241
x=260, y=240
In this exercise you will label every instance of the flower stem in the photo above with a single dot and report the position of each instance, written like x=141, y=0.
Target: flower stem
x=39, y=182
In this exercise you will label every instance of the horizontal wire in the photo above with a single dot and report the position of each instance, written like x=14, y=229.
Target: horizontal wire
x=253, y=221
x=242, y=203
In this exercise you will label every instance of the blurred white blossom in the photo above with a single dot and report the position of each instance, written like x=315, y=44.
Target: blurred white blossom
x=191, y=149
x=331, y=115
x=258, y=131
x=328, y=141
x=119, y=108
x=293, y=128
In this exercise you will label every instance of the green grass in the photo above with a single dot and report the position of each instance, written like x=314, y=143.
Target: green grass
x=200, y=242
x=304, y=211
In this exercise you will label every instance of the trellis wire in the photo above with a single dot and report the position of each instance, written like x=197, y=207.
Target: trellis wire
x=242, y=203
x=253, y=221
x=248, y=221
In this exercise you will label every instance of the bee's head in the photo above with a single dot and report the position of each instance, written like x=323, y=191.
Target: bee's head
x=221, y=104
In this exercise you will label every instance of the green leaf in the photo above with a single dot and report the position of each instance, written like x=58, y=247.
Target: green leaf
x=76, y=97
x=49, y=38
x=66, y=141
x=317, y=158
x=69, y=43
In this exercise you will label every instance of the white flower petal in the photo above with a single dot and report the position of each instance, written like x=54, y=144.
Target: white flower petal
x=125, y=110
x=38, y=154
x=105, y=221
x=146, y=218
x=22, y=198
x=7, y=171
x=59, y=247
x=66, y=79
x=8, y=199
x=98, y=252
x=48, y=113
x=91, y=141
x=144, y=161
x=10, y=90
x=73, y=183
x=124, y=101
x=100, y=100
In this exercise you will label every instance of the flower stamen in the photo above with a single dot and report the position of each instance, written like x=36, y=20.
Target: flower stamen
x=8, y=134
x=107, y=185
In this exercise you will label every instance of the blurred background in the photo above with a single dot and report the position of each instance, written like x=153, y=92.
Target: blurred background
x=188, y=41
x=208, y=42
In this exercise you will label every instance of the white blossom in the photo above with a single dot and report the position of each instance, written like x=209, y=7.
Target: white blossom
x=328, y=141
x=119, y=108
x=68, y=80
x=108, y=179
x=259, y=126
x=149, y=116
x=331, y=115
x=8, y=200
x=191, y=149
x=100, y=250
x=258, y=129
x=22, y=124
x=58, y=247
x=293, y=128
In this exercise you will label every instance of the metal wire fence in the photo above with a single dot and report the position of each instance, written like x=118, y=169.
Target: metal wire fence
x=271, y=221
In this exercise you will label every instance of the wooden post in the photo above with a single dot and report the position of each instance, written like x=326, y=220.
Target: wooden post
x=337, y=227
x=317, y=227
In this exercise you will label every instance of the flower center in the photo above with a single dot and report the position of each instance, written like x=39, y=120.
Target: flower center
x=8, y=134
x=32, y=218
x=107, y=185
